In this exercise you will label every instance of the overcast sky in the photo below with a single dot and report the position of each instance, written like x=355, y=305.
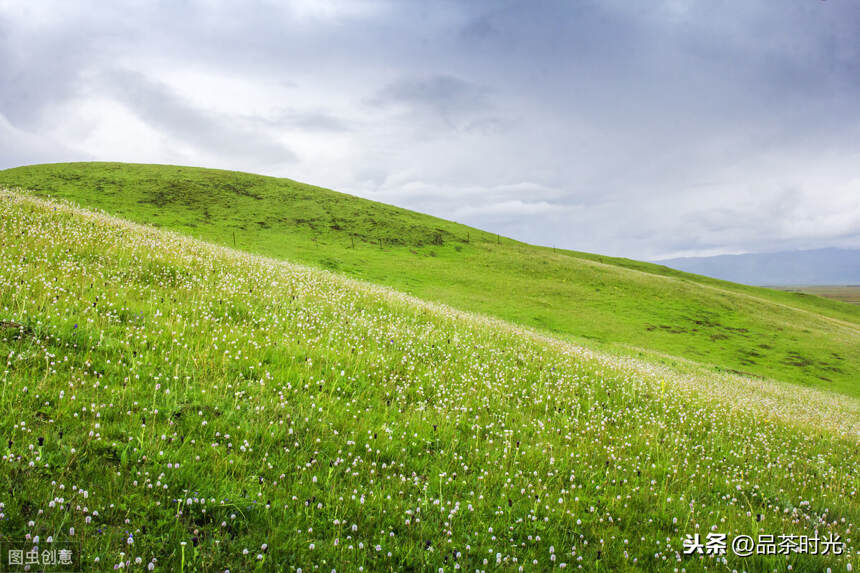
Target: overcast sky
x=643, y=129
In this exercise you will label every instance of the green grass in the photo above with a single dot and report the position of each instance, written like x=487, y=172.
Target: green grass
x=186, y=405
x=616, y=304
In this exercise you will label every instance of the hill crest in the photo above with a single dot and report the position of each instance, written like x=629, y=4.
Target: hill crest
x=615, y=304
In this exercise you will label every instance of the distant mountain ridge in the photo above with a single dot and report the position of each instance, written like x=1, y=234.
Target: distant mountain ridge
x=830, y=266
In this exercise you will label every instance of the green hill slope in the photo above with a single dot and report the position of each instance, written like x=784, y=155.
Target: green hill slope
x=169, y=402
x=614, y=303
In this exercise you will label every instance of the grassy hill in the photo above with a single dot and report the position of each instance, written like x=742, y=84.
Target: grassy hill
x=845, y=293
x=616, y=304
x=171, y=405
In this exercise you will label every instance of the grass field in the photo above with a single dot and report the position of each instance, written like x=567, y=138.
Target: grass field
x=618, y=305
x=177, y=406
x=846, y=293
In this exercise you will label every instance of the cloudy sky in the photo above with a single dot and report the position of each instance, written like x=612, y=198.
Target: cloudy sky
x=644, y=129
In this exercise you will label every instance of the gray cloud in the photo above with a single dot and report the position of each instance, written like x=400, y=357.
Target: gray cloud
x=310, y=120
x=17, y=147
x=161, y=108
x=445, y=95
x=646, y=130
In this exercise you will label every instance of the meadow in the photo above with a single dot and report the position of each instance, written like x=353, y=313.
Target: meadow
x=622, y=306
x=173, y=405
x=844, y=293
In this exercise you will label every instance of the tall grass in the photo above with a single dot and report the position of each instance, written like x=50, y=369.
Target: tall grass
x=173, y=405
x=625, y=306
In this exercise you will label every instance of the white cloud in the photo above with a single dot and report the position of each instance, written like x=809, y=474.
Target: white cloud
x=598, y=126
